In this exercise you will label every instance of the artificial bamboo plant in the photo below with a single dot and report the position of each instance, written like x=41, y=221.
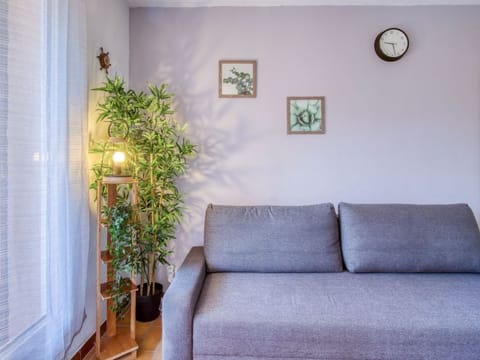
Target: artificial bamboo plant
x=157, y=144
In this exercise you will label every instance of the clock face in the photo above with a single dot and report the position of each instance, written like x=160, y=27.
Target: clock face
x=391, y=44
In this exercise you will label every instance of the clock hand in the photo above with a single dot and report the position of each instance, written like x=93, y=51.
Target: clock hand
x=393, y=45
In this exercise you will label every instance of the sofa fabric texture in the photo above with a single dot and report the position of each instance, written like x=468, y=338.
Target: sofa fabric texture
x=272, y=238
x=338, y=316
x=178, y=307
x=409, y=238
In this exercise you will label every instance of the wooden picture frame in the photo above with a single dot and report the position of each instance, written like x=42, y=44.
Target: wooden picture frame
x=306, y=115
x=237, y=78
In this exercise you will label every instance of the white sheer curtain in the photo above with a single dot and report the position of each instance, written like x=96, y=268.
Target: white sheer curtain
x=43, y=180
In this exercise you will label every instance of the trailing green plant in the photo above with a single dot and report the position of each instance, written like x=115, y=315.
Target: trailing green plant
x=123, y=228
x=157, y=144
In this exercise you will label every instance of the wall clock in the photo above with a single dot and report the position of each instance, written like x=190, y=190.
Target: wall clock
x=391, y=44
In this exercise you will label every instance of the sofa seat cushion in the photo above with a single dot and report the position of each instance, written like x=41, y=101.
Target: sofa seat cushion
x=338, y=316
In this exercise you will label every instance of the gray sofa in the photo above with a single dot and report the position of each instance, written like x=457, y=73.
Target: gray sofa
x=285, y=282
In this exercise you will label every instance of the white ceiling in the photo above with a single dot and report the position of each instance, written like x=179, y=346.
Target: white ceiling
x=207, y=3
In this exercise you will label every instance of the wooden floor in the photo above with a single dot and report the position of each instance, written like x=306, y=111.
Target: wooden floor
x=148, y=336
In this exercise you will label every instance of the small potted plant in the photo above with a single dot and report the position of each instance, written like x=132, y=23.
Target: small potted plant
x=156, y=142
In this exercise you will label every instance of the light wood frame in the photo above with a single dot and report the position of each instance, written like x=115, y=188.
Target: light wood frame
x=114, y=345
x=233, y=62
x=321, y=130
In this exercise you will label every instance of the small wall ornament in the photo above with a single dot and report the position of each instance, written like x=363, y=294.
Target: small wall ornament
x=104, y=60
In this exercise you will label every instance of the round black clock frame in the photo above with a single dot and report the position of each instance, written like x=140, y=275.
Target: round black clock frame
x=379, y=51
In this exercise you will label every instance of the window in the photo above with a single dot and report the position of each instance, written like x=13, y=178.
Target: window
x=22, y=167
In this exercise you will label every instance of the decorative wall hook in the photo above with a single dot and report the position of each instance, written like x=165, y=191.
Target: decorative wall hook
x=104, y=60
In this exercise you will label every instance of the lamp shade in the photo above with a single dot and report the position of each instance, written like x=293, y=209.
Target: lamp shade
x=118, y=159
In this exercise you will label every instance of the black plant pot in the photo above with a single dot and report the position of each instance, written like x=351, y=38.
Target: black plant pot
x=148, y=307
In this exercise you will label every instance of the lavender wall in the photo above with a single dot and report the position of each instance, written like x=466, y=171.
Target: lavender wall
x=396, y=132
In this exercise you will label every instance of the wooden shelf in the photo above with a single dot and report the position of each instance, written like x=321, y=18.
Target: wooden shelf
x=106, y=257
x=105, y=288
x=117, y=346
x=114, y=345
x=118, y=180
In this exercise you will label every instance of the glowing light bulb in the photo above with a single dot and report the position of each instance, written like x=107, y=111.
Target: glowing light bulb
x=118, y=158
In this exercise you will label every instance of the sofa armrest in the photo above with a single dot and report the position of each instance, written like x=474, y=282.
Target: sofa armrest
x=179, y=305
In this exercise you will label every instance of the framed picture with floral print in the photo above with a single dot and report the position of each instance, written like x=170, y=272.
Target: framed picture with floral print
x=306, y=115
x=237, y=79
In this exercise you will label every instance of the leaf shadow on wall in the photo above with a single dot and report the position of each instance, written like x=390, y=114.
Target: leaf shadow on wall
x=219, y=132
x=210, y=172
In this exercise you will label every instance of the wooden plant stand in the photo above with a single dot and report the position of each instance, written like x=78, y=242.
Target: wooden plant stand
x=113, y=345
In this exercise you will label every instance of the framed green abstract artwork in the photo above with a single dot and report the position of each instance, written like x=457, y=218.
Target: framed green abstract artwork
x=306, y=115
x=237, y=79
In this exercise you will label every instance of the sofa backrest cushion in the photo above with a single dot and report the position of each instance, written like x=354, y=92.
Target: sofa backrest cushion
x=409, y=238
x=272, y=238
